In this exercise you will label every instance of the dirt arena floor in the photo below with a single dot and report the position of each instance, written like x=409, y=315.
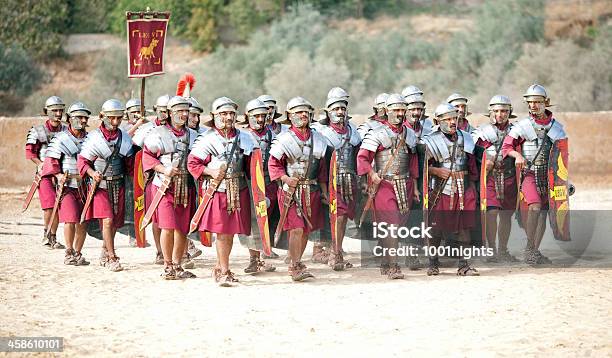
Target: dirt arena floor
x=508, y=311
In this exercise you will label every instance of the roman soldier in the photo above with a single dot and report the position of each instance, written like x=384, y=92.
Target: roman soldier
x=377, y=119
x=388, y=157
x=272, y=114
x=297, y=162
x=529, y=142
x=165, y=154
x=255, y=118
x=106, y=157
x=452, y=196
x=501, y=187
x=415, y=118
x=36, y=146
x=61, y=163
x=343, y=139
x=133, y=119
x=142, y=131
x=460, y=103
x=195, y=111
x=221, y=157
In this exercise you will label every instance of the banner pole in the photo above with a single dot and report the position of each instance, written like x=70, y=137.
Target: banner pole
x=142, y=96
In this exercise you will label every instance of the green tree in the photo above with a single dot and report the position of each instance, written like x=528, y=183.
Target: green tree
x=36, y=26
x=19, y=75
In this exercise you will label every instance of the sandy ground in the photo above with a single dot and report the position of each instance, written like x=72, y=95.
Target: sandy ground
x=507, y=311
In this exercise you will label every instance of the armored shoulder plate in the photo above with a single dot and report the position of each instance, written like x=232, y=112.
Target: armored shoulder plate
x=410, y=138
x=95, y=146
x=523, y=129
x=367, y=126
x=355, y=137
x=160, y=140
x=37, y=134
x=127, y=148
x=247, y=142
x=427, y=125
x=468, y=142
x=64, y=143
x=556, y=131
x=485, y=132
x=287, y=143
x=209, y=143
x=377, y=136
x=141, y=133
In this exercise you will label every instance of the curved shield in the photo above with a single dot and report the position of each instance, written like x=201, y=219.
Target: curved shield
x=333, y=201
x=258, y=189
x=558, y=198
x=139, y=199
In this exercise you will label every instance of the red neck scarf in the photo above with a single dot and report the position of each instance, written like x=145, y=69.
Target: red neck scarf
x=339, y=129
x=397, y=129
x=546, y=120
x=177, y=132
x=260, y=133
x=51, y=128
x=108, y=135
x=415, y=127
x=230, y=134
x=301, y=135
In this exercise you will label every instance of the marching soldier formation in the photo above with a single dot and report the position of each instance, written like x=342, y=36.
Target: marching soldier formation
x=204, y=175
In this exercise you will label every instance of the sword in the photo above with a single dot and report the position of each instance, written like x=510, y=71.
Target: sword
x=159, y=194
x=58, y=198
x=90, y=195
x=31, y=192
x=206, y=198
x=372, y=189
x=287, y=201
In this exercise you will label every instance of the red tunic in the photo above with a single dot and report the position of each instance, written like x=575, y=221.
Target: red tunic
x=71, y=205
x=46, y=187
x=276, y=168
x=385, y=207
x=453, y=220
x=101, y=207
x=216, y=219
x=510, y=191
x=528, y=185
x=167, y=216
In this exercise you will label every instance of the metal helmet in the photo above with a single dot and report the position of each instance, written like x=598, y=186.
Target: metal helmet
x=53, y=102
x=410, y=90
x=299, y=104
x=444, y=111
x=77, y=109
x=456, y=98
x=222, y=104
x=499, y=102
x=266, y=98
x=379, y=104
x=272, y=108
x=194, y=106
x=111, y=107
x=338, y=92
x=395, y=101
x=415, y=100
x=133, y=105
x=175, y=104
x=331, y=105
x=537, y=93
x=161, y=103
x=253, y=108
x=535, y=90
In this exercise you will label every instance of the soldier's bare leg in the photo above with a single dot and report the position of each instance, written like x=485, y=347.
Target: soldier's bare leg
x=79, y=241
x=492, y=216
x=336, y=259
x=167, y=245
x=80, y=234
x=69, y=232
x=434, y=261
x=503, y=229
x=533, y=214
x=156, y=237
x=224, y=248
x=392, y=242
x=464, y=268
x=180, y=244
x=108, y=234
x=297, y=245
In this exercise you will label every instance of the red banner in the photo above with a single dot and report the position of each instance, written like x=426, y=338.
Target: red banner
x=146, y=39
